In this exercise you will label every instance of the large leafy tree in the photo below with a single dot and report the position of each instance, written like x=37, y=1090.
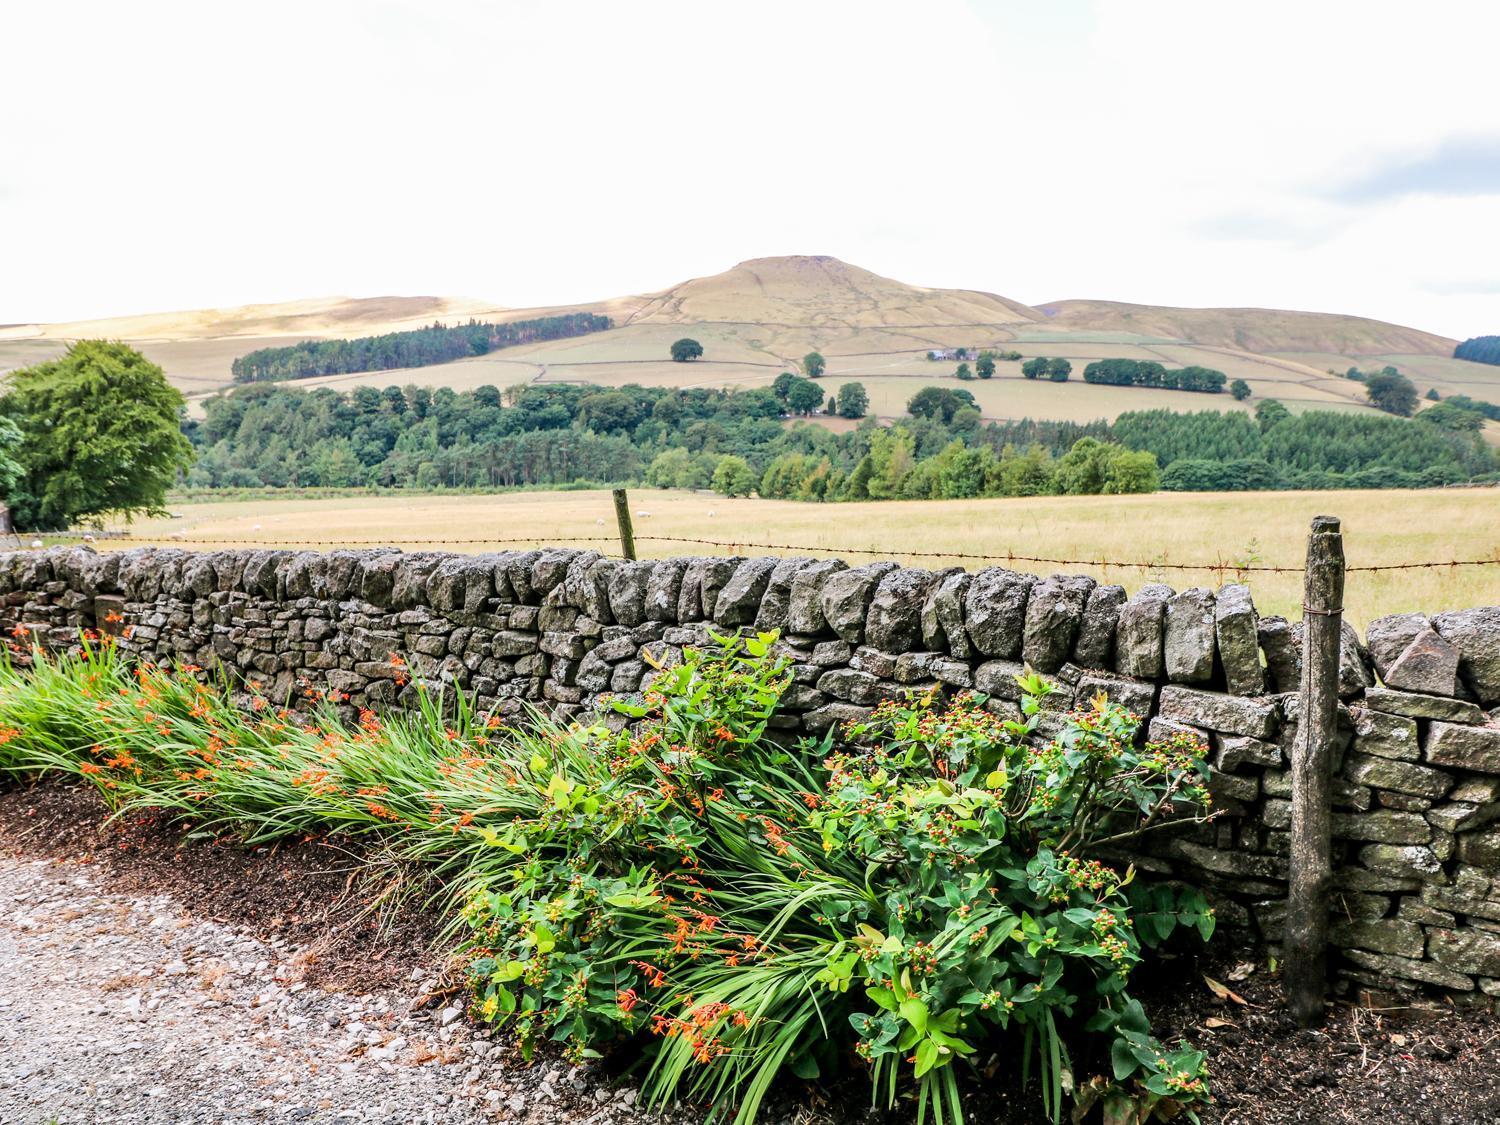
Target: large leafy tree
x=853, y=401
x=100, y=434
x=1392, y=392
x=686, y=349
x=813, y=365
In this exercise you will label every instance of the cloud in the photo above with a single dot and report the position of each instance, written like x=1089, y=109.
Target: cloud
x=1459, y=166
x=1463, y=287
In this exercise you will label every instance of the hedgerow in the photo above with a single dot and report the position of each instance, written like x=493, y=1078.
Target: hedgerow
x=915, y=896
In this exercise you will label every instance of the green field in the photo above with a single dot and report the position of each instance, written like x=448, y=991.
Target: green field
x=1222, y=530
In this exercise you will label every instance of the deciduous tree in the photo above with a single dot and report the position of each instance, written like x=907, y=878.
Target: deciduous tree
x=100, y=435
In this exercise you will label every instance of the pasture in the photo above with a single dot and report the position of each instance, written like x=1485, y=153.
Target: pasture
x=1221, y=529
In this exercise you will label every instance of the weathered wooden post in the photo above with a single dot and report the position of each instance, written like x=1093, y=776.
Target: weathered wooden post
x=622, y=517
x=1306, y=942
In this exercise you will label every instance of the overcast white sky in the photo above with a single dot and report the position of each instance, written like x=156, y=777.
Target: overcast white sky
x=1315, y=154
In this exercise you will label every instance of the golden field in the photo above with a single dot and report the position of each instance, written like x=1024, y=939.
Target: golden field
x=1156, y=531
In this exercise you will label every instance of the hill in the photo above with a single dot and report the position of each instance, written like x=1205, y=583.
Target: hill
x=761, y=316
x=822, y=292
x=315, y=316
x=1251, y=330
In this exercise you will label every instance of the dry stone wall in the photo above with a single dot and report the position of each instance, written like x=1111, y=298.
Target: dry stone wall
x=1417, y=822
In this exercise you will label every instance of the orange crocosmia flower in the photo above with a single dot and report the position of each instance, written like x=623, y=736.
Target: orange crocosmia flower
x=626, y=999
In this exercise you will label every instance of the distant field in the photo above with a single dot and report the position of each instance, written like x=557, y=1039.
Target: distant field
x=1228, y=529
x=736, y=357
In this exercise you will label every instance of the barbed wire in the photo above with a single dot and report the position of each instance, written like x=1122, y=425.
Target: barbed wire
x=737, y=546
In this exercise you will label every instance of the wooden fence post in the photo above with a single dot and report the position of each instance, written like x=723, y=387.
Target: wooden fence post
x=1306, y=942
x=622, y=517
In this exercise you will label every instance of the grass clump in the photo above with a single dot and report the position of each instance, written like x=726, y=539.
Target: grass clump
x=915, y=896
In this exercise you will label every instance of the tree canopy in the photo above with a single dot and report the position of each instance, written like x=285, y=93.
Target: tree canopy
x=421, y=347
x=1391, y=392
x=99, y=435
x=1479, y=349
x=813, y=365
x=853, y=400
x=686, y=349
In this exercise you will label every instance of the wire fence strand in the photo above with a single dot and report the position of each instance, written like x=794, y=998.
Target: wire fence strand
x=739, y=546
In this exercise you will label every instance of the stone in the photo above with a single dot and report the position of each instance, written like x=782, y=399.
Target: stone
x=1403, y=861
x=1237, y=863
x=663, y=589
x=998, y=678
x=1466, y=951
x=738, y=601
x=1095, y=646
x=1476, y=635
x=1384, y=735
x=1458, y=816
x=1054, y=611
x=1140, y=632
x=829, y=654
x=845, y=598
x=1383, y=826
x=627, y=587
x=1416, y=706
x=833, y=714
x=1387, y=637
x=1188, y=647
x=1477, y=790
x=712, y=578
x=1401, y=939
x=1408, y=968
x=1429, y=664
x=1232, y=751
x=955, y=673
x=943, y=615
x=1481, y=848
x=549, y=568
x=1226, y=787
x=1465, y=747
x=1134, y=696
x=1229, y=714
x=805, y=606
x=1283, y=649
x=995, y=611
x=1238, y=640
x=1400, y=777
x=1355, y=674
x=894, y=621
x=854, y=687
x=776, y=601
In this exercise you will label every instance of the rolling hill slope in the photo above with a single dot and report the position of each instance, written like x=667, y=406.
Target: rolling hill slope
x=1251, y=330
x=760, y=316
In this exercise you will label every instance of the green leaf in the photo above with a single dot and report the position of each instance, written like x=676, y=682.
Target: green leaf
x=914, y=1012
x=927, y=1057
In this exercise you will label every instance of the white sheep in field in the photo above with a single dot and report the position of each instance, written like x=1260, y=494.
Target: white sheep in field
x=643, y=515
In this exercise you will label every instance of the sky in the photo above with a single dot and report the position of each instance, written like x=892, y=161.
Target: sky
x=1328, y=155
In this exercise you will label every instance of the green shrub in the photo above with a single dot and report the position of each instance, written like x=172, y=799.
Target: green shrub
x=916, y=890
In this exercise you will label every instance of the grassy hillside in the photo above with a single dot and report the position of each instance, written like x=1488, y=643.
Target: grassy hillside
x=760, y=317
x=1252, y=330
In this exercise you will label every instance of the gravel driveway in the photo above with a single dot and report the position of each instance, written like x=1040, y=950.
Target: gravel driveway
x=124, y=1009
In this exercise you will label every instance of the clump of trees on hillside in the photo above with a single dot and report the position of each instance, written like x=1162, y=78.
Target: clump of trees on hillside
x=686, y=350
x=422, y=347
x=1392, y=392
x=1479, y=349
x=1056, y=369
x=1149, y=373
